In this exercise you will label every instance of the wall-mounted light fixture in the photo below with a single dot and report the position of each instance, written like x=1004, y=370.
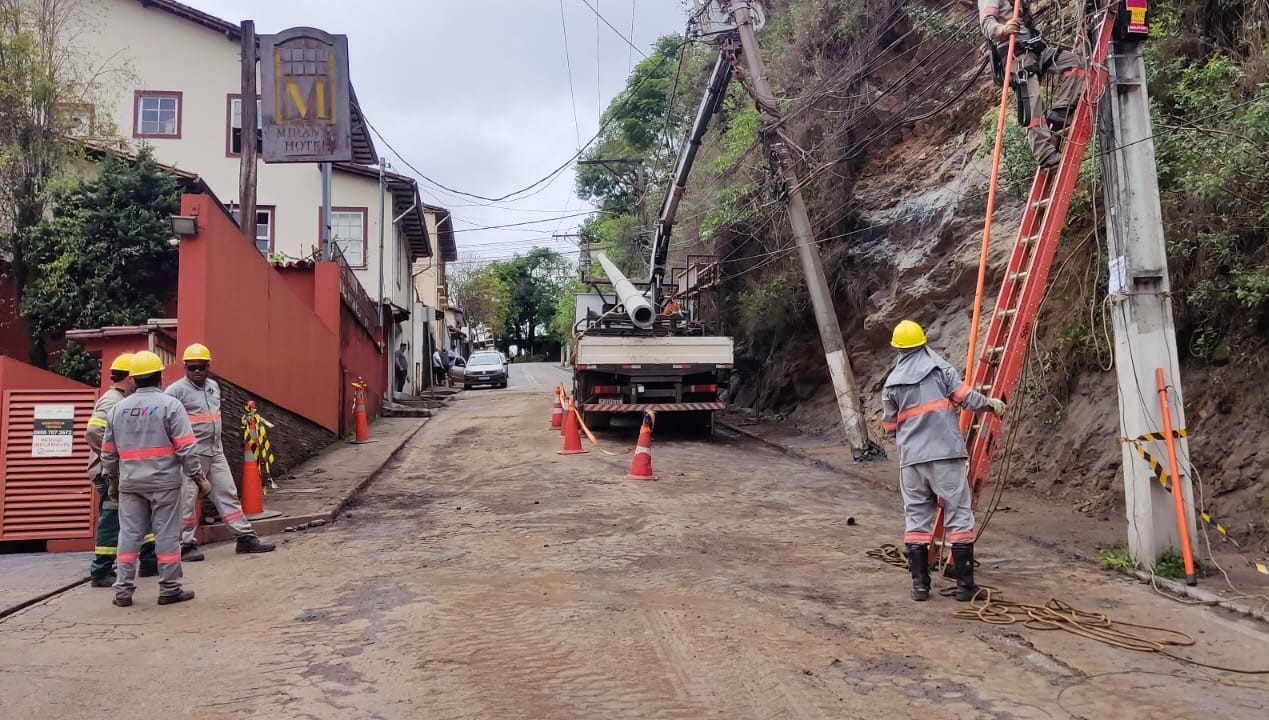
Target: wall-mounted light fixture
x=184, y=225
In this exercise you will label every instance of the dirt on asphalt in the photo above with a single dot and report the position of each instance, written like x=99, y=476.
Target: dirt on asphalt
x=483, y=575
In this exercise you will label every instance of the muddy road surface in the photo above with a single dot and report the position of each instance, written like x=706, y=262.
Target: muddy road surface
x=485, y=576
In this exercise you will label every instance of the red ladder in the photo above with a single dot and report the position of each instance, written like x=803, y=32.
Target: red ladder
x=1027, y=274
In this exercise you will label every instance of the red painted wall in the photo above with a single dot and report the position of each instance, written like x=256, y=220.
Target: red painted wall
x=263, y=336
x=360, y=359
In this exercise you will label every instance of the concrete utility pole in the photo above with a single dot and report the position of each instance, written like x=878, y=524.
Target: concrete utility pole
x=1141, y=304
x=247, y=169
x=843, y=377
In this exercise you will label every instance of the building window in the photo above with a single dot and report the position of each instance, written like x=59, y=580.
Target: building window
x=79, y=119
x=234, y=146
x=264, y=228
x=348, y=230
x=157, y=114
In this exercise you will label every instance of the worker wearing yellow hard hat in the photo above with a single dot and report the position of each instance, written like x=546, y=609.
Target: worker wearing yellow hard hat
x=102, y=569
x=921, y=400
x=201, y=396
x=147, y=456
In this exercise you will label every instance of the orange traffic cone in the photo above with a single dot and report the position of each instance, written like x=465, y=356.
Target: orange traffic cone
x=557, y=412
x=572, y=438
x=360, y=426
x=641, y=463
x=252, y=487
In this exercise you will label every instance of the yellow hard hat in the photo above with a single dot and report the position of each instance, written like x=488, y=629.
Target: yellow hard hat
x=907, y=335
x=123, y=362
x=197, y=351
x=145, y=363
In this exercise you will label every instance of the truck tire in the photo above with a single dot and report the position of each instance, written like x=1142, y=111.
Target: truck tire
x=597, y=420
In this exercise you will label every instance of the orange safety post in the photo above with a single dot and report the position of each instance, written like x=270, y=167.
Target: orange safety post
x=1178, y=495
x=994, y=181
x=557, y=412
x=572, y=438
x=252, y=485
x=641, y=463
x=361, y=428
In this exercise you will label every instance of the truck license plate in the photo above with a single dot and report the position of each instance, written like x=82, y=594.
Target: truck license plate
x=610, y=401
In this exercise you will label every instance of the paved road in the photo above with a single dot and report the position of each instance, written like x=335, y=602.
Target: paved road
x=484, y=576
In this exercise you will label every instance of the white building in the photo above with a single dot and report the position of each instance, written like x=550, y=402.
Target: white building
x=182, y=96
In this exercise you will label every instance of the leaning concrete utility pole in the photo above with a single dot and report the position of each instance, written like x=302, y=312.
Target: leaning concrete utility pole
x=1140, y=300
x=848, y=401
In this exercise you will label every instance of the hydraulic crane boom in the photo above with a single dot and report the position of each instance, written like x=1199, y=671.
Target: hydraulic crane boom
x=710, y=104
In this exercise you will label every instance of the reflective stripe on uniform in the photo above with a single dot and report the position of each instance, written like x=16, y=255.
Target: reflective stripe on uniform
x=108, y=447
x=167, y=558
x=233, y=516
x=105, y=550
x=890, y=425
x=97, y=422
x=923, y=408
x=129, y=557
x=204, y=418
x=146, y=453
x=961, y=536
x=920, y=538
x=149, y=538
x=184, y=440
x=961, y=393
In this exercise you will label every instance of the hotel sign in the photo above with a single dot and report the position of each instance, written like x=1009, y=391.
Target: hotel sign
x=305, y=99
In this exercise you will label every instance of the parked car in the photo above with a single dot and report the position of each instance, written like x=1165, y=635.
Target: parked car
x=483, y=368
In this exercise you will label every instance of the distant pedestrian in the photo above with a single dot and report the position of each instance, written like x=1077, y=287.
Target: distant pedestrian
x=402, y=367
x=147, y=454
x=201, y=397
x=447, y=362
x=920, y=400
x=438, y=368
x=102, y=570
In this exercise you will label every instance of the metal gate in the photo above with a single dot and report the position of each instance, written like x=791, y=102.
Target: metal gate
x=45, y=493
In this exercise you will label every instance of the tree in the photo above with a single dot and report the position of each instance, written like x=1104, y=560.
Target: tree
x=42, y=73
x=535, y=282
x=481, y=294
x=103, y=257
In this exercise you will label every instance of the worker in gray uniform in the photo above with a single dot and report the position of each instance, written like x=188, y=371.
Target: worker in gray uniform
x=201, y=397
x=147, y=454
x=920, y=400
x=102, y=570
x=1033, y=59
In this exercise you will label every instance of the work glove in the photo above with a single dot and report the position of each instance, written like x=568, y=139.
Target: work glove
x=1013, y=27
x=204, y=485
x=997, y=406
x=112, y=488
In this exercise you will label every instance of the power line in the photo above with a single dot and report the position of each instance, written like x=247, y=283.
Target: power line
x=577, y=128
x=599, y=17
x=599, y=66
x=549, y=177
x=526, y=222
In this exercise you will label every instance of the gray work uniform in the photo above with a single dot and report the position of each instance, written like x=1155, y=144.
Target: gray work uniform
x=992, y=18
x=149, y=446
x=107, y=538
x=203, y=406
x=919, y=400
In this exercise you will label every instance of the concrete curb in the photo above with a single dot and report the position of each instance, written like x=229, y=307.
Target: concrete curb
x=1203, y=596
x=1171, y=586
x=6, y=612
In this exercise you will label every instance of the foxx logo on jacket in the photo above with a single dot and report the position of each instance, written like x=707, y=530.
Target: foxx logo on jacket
x=142, y=411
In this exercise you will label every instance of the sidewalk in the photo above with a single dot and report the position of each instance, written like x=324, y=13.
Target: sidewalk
x=317, y=491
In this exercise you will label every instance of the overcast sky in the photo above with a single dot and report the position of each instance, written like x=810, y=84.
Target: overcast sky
x=475, y=93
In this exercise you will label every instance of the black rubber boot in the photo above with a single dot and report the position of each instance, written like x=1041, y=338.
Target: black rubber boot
x=122, y=601
x=191, y=553
x=1060, y=117
x=181, y=596
x=919, y=564
x=148, y=570
x=963, y=559
x=104, y=580
x=252, y=544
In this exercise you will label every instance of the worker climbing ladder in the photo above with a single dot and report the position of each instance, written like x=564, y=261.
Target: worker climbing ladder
x=996, y=369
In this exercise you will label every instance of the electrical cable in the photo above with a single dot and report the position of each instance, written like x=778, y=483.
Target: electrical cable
x=599, y=17
x=572, y=96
